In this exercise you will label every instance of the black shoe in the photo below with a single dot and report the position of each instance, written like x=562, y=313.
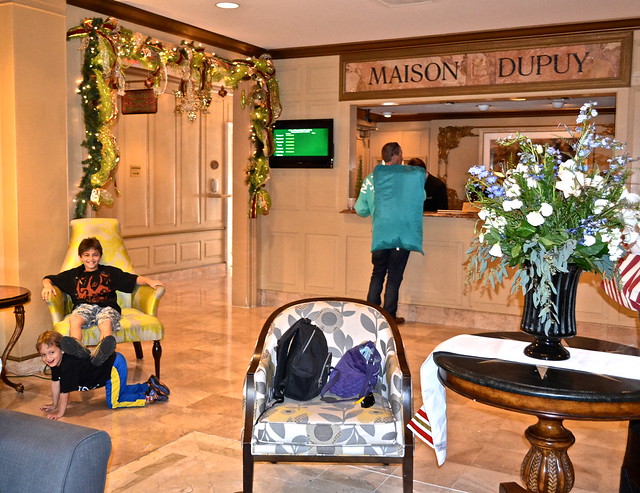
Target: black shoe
x=399, y=320
x=104, y=349
x=152, y=396
x=158, y=386
x=74, y=347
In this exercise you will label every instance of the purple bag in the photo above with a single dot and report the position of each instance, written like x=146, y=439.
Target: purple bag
x=356, y=374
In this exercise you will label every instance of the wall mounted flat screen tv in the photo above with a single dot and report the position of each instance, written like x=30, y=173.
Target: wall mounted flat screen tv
x=303, y=144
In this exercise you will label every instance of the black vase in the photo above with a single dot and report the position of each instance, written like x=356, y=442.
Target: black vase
x=548, y=345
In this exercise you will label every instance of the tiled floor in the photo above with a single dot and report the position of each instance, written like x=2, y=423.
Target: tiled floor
x=191, y=443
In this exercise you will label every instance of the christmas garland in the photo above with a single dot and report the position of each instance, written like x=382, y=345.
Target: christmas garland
x=110, y=48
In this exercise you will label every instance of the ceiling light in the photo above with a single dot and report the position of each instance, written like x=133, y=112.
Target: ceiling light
x=386, y=114
x=484, y=106
x=389, y=103
x=227, y=5
x=518, y=99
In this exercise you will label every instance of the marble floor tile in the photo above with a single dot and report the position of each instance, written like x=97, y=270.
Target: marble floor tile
x=192, y=442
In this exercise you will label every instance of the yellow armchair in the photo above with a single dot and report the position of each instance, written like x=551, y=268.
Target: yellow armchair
x=139, y=309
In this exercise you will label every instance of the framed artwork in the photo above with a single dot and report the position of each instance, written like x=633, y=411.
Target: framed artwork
x=494, y=155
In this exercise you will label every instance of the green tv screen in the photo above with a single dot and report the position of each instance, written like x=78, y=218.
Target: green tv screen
x=301, y=142
x=304, y=143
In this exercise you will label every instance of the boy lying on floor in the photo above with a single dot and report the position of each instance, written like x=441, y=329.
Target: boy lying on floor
x=70, y=373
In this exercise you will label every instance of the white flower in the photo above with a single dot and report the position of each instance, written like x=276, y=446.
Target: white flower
x=511, y=205
x=596, y=182
x=570, y=182
x=535, y=218
x=511, y=188
x=589, y=240
x=496, y=251
x=632, y=198
x=600, y=204
x=569, y=165
x=546, y=209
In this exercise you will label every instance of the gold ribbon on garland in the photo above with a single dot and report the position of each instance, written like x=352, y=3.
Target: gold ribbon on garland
x=110, y=47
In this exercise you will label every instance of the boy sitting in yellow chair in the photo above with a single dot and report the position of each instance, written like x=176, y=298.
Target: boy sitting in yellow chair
x=92, y=288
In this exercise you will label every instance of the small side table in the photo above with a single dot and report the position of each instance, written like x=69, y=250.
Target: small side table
x=550, y=394
x=13, y=297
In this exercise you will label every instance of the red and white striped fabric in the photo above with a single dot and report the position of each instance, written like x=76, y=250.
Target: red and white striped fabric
x=628, y=294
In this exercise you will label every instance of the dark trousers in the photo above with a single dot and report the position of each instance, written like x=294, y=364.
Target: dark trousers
x=390, y=264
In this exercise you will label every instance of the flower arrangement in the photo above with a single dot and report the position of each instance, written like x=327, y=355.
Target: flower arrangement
x=552, y=209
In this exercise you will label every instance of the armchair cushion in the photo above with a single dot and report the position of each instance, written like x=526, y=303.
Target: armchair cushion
x=135, y=326
x=322, y=428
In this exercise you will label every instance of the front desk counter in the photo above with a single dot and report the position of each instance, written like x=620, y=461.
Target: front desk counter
x=448, y=213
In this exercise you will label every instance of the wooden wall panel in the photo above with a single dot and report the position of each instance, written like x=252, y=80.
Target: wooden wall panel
x=320, y=267
x=134, y=170
x=283, y=251
x=163, y=167
x=189, y=182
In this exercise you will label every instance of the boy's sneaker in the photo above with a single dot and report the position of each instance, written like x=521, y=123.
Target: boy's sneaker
x=104, y=349
x=152, y=396
x=74, y=347
x=158, y=386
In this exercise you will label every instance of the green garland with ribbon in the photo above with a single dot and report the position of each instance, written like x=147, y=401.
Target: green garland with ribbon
x=109, y=48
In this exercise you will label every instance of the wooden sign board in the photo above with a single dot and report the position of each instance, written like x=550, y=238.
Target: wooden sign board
x=139, y=101
x=564, y=62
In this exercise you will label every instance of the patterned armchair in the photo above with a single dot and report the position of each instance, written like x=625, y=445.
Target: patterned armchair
x=139, y=309
x=317, y=431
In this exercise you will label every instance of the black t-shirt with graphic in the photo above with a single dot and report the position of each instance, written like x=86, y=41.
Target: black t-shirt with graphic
x=96, y=287
x=79, y=374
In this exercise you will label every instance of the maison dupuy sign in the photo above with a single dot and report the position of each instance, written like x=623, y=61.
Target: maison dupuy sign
x=533, y=64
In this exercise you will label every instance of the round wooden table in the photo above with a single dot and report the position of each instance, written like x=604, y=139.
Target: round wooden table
x=13, y=297
x=550, y=394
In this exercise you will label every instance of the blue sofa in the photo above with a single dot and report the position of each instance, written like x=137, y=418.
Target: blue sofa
x=38, y=454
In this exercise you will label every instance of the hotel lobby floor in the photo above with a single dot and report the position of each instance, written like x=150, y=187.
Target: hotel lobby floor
x=192, y=442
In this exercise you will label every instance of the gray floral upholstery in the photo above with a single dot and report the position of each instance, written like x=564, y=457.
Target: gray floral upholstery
x=319, y=428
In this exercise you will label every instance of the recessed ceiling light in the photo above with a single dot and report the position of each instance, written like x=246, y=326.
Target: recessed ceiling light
x=386, y=114
x=227, y=5
x=389, y=103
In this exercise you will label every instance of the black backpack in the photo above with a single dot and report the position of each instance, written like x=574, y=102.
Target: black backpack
x=302, y=362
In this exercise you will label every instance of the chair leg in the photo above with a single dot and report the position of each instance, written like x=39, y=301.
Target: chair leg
x=157, y=354
x=137, y=346
x=407, y=470
x=247, y=469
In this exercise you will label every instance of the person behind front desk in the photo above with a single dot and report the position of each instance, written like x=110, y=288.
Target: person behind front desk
x=434, y=187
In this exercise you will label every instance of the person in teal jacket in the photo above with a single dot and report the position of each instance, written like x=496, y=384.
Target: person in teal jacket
x=393, y=195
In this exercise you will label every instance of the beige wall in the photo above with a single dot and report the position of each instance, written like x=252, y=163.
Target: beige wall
x=33, y=161
x=309, y=248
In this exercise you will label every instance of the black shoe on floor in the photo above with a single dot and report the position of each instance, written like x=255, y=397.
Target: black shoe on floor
x=74, y=347
x=158, y=386
x=399, y=320
x=104, y=349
